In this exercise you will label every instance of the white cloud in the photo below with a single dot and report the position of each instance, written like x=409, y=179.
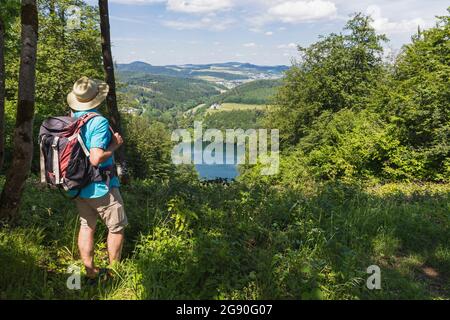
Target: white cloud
x=301, y=11
x=255, y=30
x=292, y=11
x=122, y=19
x=258, y=21
x=198, y=6
x=287, y=46
x=249, y=45
x=384, y=25
x=204, y=23
x=186, y=6
x=269, y=33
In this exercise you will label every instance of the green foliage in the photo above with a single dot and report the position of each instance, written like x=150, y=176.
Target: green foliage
x=351, y=117
x=63, y=56
x=148, y=148
x=339, y=71
x=236, y=119
x=420, y=102
x=9, y=11
x=347, y=145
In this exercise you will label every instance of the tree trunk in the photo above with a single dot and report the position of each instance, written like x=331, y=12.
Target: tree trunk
x=2, y=93
x=23, y=133
x=111, y=100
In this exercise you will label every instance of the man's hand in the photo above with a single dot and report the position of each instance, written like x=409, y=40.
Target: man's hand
x=116, y=142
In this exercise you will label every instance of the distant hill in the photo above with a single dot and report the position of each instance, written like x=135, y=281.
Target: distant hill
x=165, y=92
x=158, y=90
x=216, y=72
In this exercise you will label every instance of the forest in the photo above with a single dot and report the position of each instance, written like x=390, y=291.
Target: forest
x=164, y=93
x=364, y=175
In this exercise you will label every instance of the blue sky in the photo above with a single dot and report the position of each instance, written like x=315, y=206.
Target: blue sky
x=265, y=32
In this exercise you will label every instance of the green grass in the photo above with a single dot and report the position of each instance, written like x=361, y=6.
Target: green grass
x=249, y=240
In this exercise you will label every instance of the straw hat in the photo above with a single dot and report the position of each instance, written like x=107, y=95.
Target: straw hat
x=87, y=94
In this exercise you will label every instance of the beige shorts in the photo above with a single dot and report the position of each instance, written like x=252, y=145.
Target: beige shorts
x=109, y=208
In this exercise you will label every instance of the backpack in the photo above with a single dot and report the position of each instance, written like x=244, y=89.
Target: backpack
x=64, y=158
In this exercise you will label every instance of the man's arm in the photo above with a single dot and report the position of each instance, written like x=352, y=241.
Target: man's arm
x=98, y=155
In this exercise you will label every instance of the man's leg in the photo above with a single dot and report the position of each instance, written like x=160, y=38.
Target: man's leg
x=116, y=220
x=115, y=244
x=88, y=220
x=86, y=247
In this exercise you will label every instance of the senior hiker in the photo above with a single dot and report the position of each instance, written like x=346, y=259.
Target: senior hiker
x=100, y=199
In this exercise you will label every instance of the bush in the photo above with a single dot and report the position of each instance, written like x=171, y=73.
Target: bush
x=148, y=148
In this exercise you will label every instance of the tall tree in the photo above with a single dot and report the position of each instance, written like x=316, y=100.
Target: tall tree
x=66, y=51
x=8, y=12
x=337, y=72
x=108, y=65
x=420, y=104
x=2, y=92
x=23, y=138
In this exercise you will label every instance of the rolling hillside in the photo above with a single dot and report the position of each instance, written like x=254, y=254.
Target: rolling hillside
x=159, y=89
x=165, y=92
x=229, y=74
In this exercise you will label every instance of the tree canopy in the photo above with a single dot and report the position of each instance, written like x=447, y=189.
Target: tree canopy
x=351, y=114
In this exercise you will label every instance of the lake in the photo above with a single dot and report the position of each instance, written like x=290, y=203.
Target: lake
x=214, y=171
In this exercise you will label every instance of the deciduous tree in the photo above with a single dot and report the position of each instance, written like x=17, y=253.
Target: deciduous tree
x=7, y=13
x=23, y=134
x=108, y=65
x=2, y=92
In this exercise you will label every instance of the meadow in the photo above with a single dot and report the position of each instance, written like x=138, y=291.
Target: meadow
x=248, y=240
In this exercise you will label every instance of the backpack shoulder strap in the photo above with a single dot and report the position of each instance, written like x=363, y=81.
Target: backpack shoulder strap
x=81, y=122
x=89, y=116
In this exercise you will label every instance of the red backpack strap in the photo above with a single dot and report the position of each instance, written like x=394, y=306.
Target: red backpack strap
x=74, y=129
x=85, y=119
x=88, y=116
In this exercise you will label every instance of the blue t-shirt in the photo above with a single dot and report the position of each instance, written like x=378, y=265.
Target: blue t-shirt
x=96, y=134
